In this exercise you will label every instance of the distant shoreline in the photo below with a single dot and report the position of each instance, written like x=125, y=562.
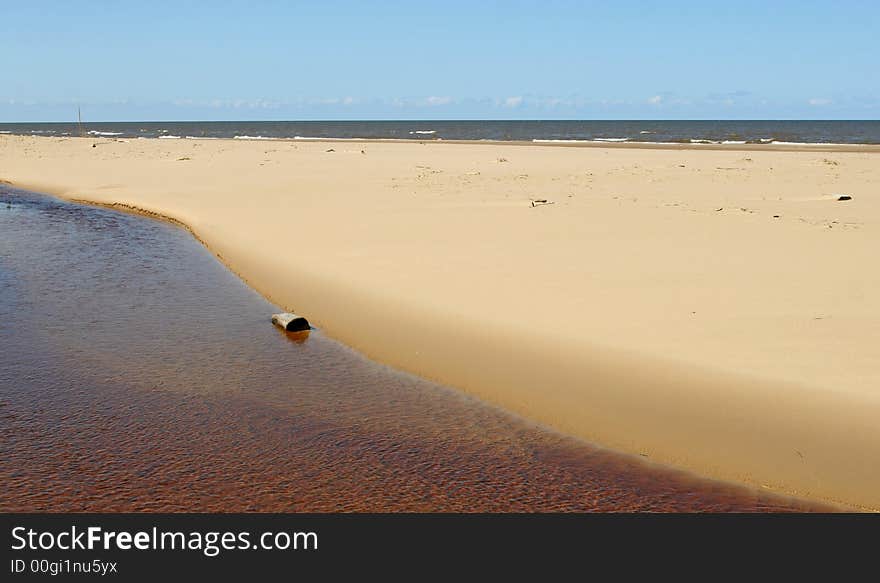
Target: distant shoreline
x=746, y=147
x=804, y=147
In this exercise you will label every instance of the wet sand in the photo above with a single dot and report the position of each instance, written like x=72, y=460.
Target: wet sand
x=715, y=309
x=138, y=374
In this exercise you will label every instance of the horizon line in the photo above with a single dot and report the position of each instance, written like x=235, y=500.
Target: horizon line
x=441, y=120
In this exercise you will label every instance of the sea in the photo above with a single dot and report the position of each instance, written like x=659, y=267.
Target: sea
x=657, y=131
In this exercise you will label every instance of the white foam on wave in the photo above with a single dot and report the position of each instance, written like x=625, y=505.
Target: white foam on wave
x=97, y=133
x=169, y=137
x=646, y=132
x=704, y=141
x=426, y=132
x=548, y=141
x=566, y=141
x=201, y=138
x=694, y=141
x=252, y=138
x=766, y=141
x=781, y=143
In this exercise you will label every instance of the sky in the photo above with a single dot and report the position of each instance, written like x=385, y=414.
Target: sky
x=337, y=60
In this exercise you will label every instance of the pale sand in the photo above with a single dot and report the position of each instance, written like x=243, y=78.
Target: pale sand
x=657, y=308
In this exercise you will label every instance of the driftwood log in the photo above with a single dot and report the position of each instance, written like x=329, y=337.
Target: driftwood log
x=291, y=322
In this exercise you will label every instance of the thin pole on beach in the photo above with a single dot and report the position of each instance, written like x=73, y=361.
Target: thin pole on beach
x=79, y=121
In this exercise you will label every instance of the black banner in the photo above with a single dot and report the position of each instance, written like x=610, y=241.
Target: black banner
x=128, y=547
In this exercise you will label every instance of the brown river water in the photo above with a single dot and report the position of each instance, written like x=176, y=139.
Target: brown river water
x=138, y=374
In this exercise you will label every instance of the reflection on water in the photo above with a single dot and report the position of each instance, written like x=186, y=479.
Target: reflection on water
x=137, y=373
x=295, y=337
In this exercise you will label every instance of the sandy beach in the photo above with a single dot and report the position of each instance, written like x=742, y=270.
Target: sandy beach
x=714, y=309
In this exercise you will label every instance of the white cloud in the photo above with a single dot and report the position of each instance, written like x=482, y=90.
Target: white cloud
x=515, y=101
x=435, y=100
x=656, y=100
x=230, y=103
x=818, y=101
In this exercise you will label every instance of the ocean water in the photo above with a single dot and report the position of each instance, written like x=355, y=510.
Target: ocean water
x=138, y=374
x=717, y=132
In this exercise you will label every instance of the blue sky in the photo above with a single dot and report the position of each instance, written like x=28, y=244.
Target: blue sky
x=553, y=59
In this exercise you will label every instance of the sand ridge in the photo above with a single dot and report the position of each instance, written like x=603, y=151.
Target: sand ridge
x=714, y=309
